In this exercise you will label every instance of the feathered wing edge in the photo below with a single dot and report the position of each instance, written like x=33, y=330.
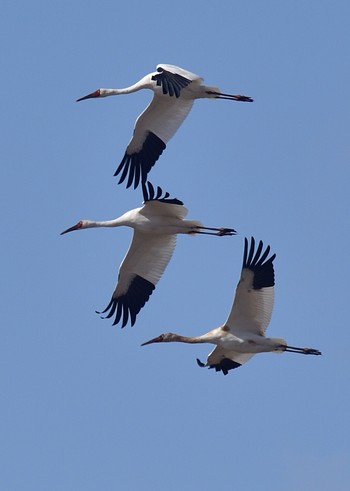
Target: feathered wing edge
x=129, y=304
x=136, y=166
x=150, y=194
x=264, y=275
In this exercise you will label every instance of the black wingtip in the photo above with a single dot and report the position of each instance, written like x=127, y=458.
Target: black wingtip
x=200, y=363
x=125, y=308
x=149, y=194
x=135, y=166
x=256, y=260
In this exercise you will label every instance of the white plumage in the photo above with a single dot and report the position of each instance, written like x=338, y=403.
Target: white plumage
x=155, y=225
x=243, y=333
x=175, y=90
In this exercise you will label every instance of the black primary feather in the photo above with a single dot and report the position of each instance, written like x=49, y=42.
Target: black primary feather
x=224, y=366
x=171, y=83
x=264, y=275
x=129, y=304
x=149, y=194
x=136, y=166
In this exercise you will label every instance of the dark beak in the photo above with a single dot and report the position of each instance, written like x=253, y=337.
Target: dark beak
x=154, y=340
x=90, y=96
x=75, y=227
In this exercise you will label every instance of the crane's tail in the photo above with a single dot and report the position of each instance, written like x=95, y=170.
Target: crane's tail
x=281, y=345
x=194, y=224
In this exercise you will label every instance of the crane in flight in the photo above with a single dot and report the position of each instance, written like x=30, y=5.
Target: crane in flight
x=243, y=333
x=155, y=225
x=174, y=89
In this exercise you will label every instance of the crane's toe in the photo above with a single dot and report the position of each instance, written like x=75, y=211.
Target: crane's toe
x=226, y=231
x=311, y=351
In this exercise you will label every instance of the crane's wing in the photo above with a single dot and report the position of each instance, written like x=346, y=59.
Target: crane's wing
x=224, y=360
x=253, y=303
x=156, y=124
x=150, y=194
x=173, y=79
x=153, y=128
x=140, y=271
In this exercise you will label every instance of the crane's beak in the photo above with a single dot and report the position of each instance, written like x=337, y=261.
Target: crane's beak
x=158, y=339
x=90, y=96
x=75, y=227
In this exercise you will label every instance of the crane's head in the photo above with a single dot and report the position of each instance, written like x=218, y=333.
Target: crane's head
x=81, y=224
x=97, y=93
x=163, y=338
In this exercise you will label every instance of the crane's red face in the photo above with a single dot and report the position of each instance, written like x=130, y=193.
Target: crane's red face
x=78, y=226
x=97, y=93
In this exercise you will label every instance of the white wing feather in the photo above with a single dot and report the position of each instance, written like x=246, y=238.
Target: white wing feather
x=148, y=256
x=252, y=309
x=159, y=208
x=163, y=116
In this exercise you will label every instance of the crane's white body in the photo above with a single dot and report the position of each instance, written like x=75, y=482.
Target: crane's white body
x=175, y=90
x=156, y=225
x=243, y=333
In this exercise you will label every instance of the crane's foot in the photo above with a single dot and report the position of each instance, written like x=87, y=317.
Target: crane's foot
x=311, y=351
x=226, y=231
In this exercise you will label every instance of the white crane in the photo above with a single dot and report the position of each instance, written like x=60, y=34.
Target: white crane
x=174, y=92
x=155, y=226
x=243, y=334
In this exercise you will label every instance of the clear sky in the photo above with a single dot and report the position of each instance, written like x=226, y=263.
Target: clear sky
x=84, y=407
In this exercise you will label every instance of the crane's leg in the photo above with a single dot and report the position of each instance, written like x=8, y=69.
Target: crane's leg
x=302, y=351
x=216, y=231
x=231, y=97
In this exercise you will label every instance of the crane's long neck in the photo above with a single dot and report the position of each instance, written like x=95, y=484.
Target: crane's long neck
x=177, y=338
x=212, y=337
x=187, y=339
x=170, y=337
x=141, y=84
x=117, y=222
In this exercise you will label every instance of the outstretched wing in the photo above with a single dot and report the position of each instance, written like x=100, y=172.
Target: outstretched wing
x=253, y=303
x=223, y=360
x=156, y=124
x=153, y=129
x=140, y=271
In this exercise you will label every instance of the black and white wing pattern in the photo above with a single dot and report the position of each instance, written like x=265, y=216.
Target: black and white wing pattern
x=156, y=124
x=253, y=303
x=171, y=82
x=150, y=194
x=139, y=273
x=223, y=361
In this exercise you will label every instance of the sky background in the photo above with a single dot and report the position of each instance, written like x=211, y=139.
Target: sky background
x=84, y=407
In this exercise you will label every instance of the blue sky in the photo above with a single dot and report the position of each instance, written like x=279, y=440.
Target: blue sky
x=84, y=406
